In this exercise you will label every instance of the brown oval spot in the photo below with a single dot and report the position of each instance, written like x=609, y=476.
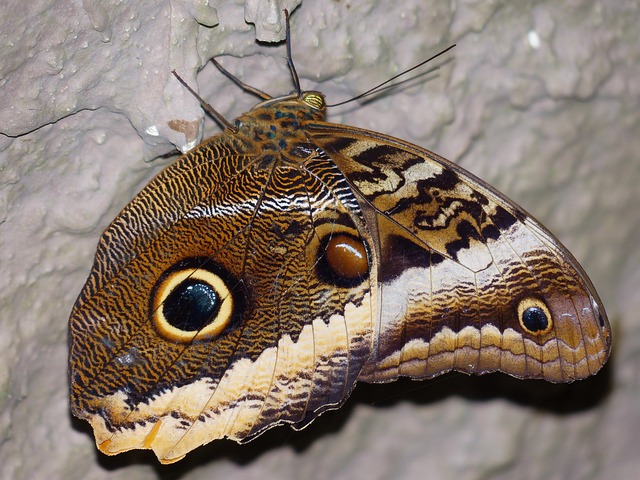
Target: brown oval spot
x=347, y=256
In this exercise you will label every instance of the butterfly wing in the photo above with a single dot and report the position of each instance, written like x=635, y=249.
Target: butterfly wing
x=255, y=280
x=466, y=280
x=236, y=233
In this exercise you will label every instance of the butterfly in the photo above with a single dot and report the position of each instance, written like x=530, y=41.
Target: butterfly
x=258, y=278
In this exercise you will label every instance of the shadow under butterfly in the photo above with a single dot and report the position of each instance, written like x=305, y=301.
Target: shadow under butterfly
x=254, y=281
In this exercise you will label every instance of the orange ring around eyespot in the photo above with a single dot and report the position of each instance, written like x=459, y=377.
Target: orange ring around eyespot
x=212, y=329
x=531, y=302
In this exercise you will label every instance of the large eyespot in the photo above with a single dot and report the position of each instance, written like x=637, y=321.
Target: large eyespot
x=344, y=260
x=192, y=301
x=534, y=316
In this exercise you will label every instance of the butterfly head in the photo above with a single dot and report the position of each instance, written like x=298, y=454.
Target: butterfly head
x=309, y=103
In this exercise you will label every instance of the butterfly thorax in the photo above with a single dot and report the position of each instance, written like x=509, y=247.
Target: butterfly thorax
x=278, y=126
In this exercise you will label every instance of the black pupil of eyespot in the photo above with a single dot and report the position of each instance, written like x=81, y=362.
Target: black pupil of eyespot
x=535, y=319
x=191, y=305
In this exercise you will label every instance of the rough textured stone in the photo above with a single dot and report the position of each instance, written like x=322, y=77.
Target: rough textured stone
x=539, y=98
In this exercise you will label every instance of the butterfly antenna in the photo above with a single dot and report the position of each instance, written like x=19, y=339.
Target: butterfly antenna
x=292, y=68
x=240, y=83
x=223, y=122
x=379, y=87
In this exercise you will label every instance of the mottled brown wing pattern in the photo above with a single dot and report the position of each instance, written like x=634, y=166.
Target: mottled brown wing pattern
x=256, y=279
x=251, y=215
x=467, y=280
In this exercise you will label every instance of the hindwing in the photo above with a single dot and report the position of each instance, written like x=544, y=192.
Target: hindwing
x=467, y=280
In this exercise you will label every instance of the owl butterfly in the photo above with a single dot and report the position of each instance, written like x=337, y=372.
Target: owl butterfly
x=254, y=281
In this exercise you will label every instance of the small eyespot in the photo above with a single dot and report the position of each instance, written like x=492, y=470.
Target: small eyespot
x=534, y=316
x=191, y=303
x=344, y=260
